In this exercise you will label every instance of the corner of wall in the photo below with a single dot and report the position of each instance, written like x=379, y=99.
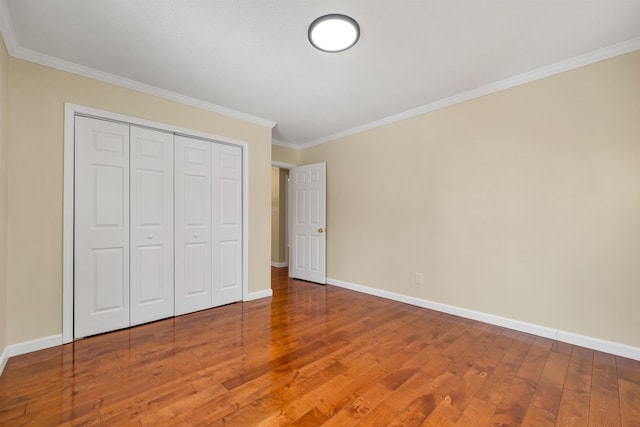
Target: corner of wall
x=4, y=67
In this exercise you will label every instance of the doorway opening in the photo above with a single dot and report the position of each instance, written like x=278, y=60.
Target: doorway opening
x=279, y=216
x=304, y=211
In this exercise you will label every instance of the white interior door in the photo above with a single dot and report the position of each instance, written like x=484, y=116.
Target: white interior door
x=308, y=223
x=101, y=229
x=151, y=281
x=192, y=225
x=227, y=224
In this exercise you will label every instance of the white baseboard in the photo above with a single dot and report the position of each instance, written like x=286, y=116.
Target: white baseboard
x=3, y=359
x=54, y=340
x=28, y=347
x=530, y=328
x=279, y=264
x=260, y=294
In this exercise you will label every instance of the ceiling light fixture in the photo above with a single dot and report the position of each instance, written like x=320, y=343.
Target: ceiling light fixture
x=334, y=33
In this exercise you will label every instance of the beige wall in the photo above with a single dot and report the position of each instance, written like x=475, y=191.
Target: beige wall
x=278, y=214
x=523, y=204
x=36, y=102
x=4, y=72
x=283, y=174
x=285, y=155
x=275, y=214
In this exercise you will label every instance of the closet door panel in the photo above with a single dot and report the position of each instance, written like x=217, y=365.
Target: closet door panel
x=152, y=293
x=195, y=269
x=192, y=225
x=101, y=227
x=227, y=224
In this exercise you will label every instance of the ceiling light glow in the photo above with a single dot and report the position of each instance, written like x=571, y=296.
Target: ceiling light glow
x=334, y=33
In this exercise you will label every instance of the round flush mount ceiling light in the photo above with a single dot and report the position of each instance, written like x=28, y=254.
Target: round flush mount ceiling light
x=334, y=33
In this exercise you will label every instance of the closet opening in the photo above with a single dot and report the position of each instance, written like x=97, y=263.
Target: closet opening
x=155, y=221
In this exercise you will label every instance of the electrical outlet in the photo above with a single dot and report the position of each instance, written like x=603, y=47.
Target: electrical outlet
x=419, y=279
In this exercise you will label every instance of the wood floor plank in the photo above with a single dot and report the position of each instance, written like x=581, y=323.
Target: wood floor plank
x=579, y=372
x=416, y=412
x=328, y=388
x=372, y=372
x=543, y=408
x=628, y=370
x=460, y=394
x=514, y=404
x=545, y=402
x=308, y=398
x=476, y=414
x=361, y=407
x=605, y=401
x=574, y=408
x=532, y=366
x=576, y=395
x=438, y=421
x=629, y=403
x=499, y=380
x=555, y=368
x=319, y=355
x=455, y=395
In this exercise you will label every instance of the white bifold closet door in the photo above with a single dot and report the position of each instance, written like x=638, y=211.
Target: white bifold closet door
x=227, y=224
x=123, y=226
x=157, y=225
x=208, y=218
x=193, y=225
x=101, y=230
x=151, y=283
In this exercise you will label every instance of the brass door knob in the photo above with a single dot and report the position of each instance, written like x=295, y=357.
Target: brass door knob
x=320, y=230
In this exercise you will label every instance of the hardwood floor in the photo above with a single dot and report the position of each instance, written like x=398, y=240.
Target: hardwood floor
x=319, y=355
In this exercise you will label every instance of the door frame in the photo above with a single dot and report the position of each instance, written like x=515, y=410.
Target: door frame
x=287, y=166
x=70, y=112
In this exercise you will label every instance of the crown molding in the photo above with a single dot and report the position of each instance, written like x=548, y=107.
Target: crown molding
x=540, y=73
x=282, y=165
x=8, y=34
x=6, y=28
x=285, y=144
x=70, y=67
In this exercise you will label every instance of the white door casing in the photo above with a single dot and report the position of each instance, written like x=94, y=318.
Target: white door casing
x=226, y=224
x=101, y=246
x=308, y=223
x=193, y=262
x=151, y=281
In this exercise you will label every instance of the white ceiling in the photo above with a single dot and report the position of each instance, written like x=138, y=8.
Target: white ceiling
x=253, y=56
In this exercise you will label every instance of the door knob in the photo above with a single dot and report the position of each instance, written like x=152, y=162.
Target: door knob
x=320, y=230
x=195, y=236
x=149, y=236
